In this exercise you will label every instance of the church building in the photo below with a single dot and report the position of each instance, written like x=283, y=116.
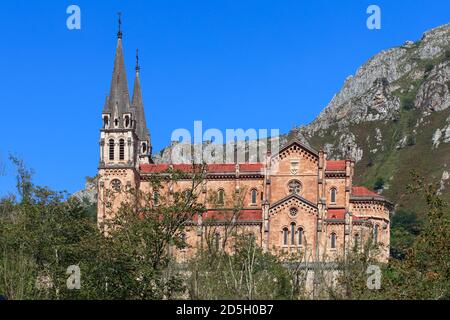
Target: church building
x=308, y=204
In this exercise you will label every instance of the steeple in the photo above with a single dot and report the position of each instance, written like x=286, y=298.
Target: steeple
x=119, y=97
x=138, y=106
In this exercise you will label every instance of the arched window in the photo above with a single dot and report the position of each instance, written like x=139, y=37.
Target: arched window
x=254, y=195
x=295, y=187
x=111, y=149
x=144, y=147
x=116, y=122
x=333, y=193
x=333, y=240
x=183, y=239
x=375, y=234
x=121, y=149
x=187, y=195
x=356, y=241
x=217, y=241
x=301, y=234
x=292, y=234
x=155, y=198
x=127, y=121
x=221, y=196
x=285, y=236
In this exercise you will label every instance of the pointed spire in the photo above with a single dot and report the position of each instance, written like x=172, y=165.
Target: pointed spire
x=119, y=96
x=138, y=104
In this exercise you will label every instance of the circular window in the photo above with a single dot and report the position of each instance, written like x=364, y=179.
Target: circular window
x=295, y=187
x=116, y=184
x=293, y=212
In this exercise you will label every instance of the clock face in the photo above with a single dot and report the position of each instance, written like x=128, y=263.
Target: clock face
x=116, y=184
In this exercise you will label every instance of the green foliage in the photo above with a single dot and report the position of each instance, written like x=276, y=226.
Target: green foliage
x=447, y=54
x=247, y=274
x=379, y=183
x=407, y=102
x=44, y=232
x=405, y=226
x=428, y=67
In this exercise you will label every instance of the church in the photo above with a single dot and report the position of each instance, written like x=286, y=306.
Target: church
x=308, y=205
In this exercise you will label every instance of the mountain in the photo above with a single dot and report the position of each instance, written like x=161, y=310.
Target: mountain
x=391, y=117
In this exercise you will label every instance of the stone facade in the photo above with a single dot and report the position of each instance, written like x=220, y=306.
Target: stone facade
x=294, y=201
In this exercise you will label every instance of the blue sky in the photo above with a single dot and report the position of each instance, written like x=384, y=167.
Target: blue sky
x=231, y=64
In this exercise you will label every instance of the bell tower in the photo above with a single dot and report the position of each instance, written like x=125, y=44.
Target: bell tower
x=124, y=137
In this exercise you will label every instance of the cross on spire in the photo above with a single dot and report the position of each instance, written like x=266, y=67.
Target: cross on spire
x=119, y=33
x=137, y=60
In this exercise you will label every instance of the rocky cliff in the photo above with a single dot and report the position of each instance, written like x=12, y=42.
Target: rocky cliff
x=393, y=116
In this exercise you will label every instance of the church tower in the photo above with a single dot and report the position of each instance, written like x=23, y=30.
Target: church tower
x=124, y=137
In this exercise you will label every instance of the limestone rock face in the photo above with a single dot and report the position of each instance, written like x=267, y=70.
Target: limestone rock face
x=368, y=95
x=88, y=194
x=434, y=93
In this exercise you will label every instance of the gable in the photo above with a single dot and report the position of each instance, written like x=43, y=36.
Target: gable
x=295, y=158
x=293, y=200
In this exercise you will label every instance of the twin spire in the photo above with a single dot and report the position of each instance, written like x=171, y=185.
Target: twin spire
x=118, y=102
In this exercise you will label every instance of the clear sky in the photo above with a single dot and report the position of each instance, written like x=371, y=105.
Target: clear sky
x=231, y=64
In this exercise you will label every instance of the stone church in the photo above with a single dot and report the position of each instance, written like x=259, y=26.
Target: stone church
x=308, y=205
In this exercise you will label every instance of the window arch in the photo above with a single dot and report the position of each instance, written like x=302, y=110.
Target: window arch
x=111, y=149
x=144, y=147
x=217, y=241
x=333, y=193
x=295, y=187
x=301, y=234
x=127, y=121
x=155, y=198
x=292, y=234
x=221, y=196
x=356, y=241
x=121, y=149
x=285, y=236
x=254, y=193
x=333, y=240
x=183, y=239
x=375, y=234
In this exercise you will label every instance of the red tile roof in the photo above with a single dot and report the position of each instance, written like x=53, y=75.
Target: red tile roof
x=219, y=168
x=251, y=167
x=336, y=165
x=336, y=214
x=363, y=192
x=212, y=168
x=244, y=215
x=154, y=168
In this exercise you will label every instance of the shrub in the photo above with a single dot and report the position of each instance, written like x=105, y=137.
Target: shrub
x=379, y=183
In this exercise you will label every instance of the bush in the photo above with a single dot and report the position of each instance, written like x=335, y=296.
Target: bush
x=447, y=53
x=379, y=183
x=407, y=103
